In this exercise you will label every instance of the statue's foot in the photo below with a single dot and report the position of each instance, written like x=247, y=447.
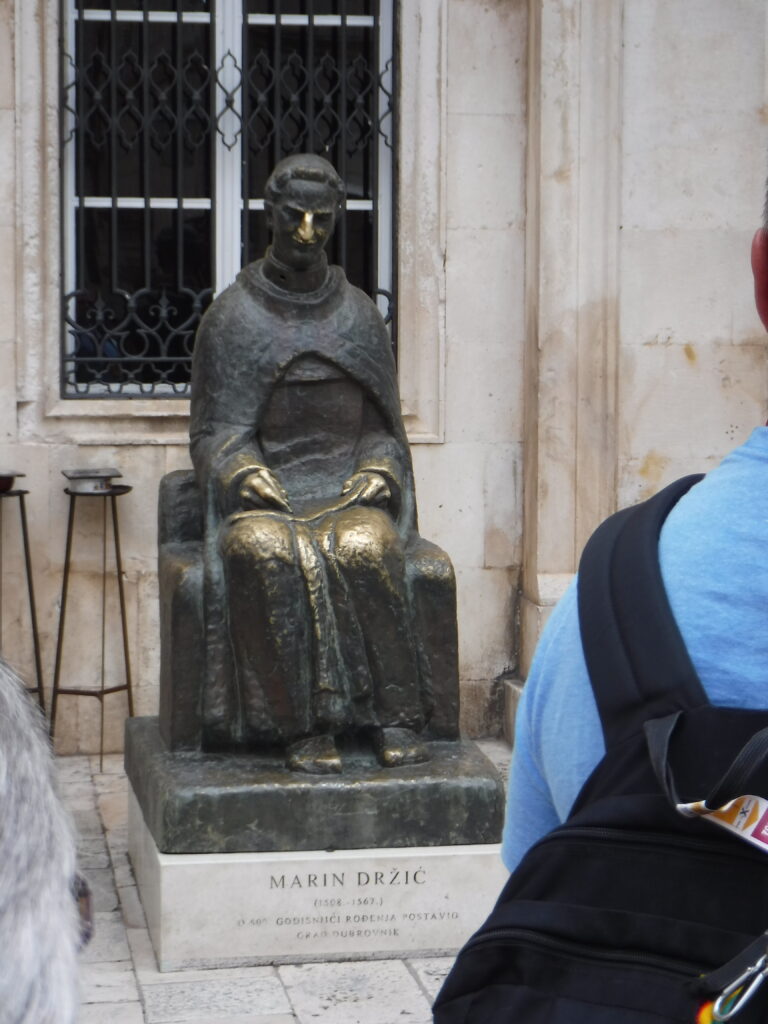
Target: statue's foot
x=316, y=755
x=396, y=746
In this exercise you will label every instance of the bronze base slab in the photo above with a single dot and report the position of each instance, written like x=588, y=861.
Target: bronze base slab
x=195, y=802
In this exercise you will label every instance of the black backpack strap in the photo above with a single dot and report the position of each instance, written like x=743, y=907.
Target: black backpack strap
x=744, y=776
x=637, y=662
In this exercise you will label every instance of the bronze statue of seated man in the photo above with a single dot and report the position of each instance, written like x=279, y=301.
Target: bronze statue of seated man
x=310, y=531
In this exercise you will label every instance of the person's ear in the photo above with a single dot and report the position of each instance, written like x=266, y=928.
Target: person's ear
x=760, y=273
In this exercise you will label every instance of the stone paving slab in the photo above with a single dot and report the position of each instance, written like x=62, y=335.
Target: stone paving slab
x=93, y=854
x=111, y=1013
x=109, y=982
x=380, y=992
x=103, y=890
x=120, y=982
x=109, y=943
x=201, y=1000
x=431, y=972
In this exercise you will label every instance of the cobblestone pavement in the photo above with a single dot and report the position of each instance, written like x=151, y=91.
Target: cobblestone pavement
x=120, y=982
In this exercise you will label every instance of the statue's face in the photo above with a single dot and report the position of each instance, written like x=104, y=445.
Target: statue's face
x=302, y=221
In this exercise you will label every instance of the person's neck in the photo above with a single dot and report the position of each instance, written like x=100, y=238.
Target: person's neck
x=292, y=279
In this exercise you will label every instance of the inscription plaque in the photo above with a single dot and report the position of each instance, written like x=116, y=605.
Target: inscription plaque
x=252, y=908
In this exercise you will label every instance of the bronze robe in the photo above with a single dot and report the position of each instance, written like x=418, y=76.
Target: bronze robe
x=308, y=615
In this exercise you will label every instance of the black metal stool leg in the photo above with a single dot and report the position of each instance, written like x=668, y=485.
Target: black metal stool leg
x=62, y=615
x=32, y=608
x=123, y=616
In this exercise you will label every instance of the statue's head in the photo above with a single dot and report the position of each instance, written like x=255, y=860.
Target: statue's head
x=304, y=196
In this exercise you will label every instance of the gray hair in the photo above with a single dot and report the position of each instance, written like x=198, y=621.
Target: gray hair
x=39, y=928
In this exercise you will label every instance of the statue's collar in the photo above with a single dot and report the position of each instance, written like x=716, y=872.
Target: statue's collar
x=288, y=282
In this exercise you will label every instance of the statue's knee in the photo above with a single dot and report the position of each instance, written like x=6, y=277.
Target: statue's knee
x=366, y=536
x=257, y=539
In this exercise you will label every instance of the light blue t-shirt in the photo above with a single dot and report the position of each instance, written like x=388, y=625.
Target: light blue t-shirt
x=714, y=562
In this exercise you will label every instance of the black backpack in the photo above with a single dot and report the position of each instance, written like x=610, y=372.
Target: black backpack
x=631, y=912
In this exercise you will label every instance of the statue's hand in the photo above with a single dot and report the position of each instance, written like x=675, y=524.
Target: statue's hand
x=262, y=489
x=367, y=488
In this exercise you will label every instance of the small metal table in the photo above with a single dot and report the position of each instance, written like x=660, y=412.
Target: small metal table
x=19, y=493
x=108, y=495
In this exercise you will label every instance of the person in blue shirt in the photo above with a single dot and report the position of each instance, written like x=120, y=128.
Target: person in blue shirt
x=714, y=562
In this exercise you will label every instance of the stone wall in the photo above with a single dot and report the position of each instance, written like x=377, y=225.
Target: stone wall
x=645, y=359
x=461, y=234
x=692, y=367
x=579, y=182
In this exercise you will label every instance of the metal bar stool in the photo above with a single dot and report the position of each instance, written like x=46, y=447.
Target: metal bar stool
x=94, y=484
x=7, y=490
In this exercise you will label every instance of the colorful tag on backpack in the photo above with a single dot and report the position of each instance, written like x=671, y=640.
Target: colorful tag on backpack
x=746, y=816
x=704, y=1016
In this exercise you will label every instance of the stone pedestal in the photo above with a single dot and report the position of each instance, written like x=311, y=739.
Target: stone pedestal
x=240, y=861
x=238, y=909
x=193, y=802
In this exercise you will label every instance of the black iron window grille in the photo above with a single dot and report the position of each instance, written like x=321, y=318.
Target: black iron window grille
x=174, y=112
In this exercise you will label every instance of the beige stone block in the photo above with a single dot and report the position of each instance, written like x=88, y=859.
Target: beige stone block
x=147, y=657
x=6, y=57
x=7, y=161
x=177, y=457
x=690, y=157
x=8, y=423
x=483, y=391
x=487, y=57
x=686, y=287
x=689, y=405
x=481, y=709
x=485, y=332
x=485, y=285
x=485, y=160
x=7, y=299
x=487, y=600
x=450, y=493
x=700, y=186
x=503, y=526
x=638, y=479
